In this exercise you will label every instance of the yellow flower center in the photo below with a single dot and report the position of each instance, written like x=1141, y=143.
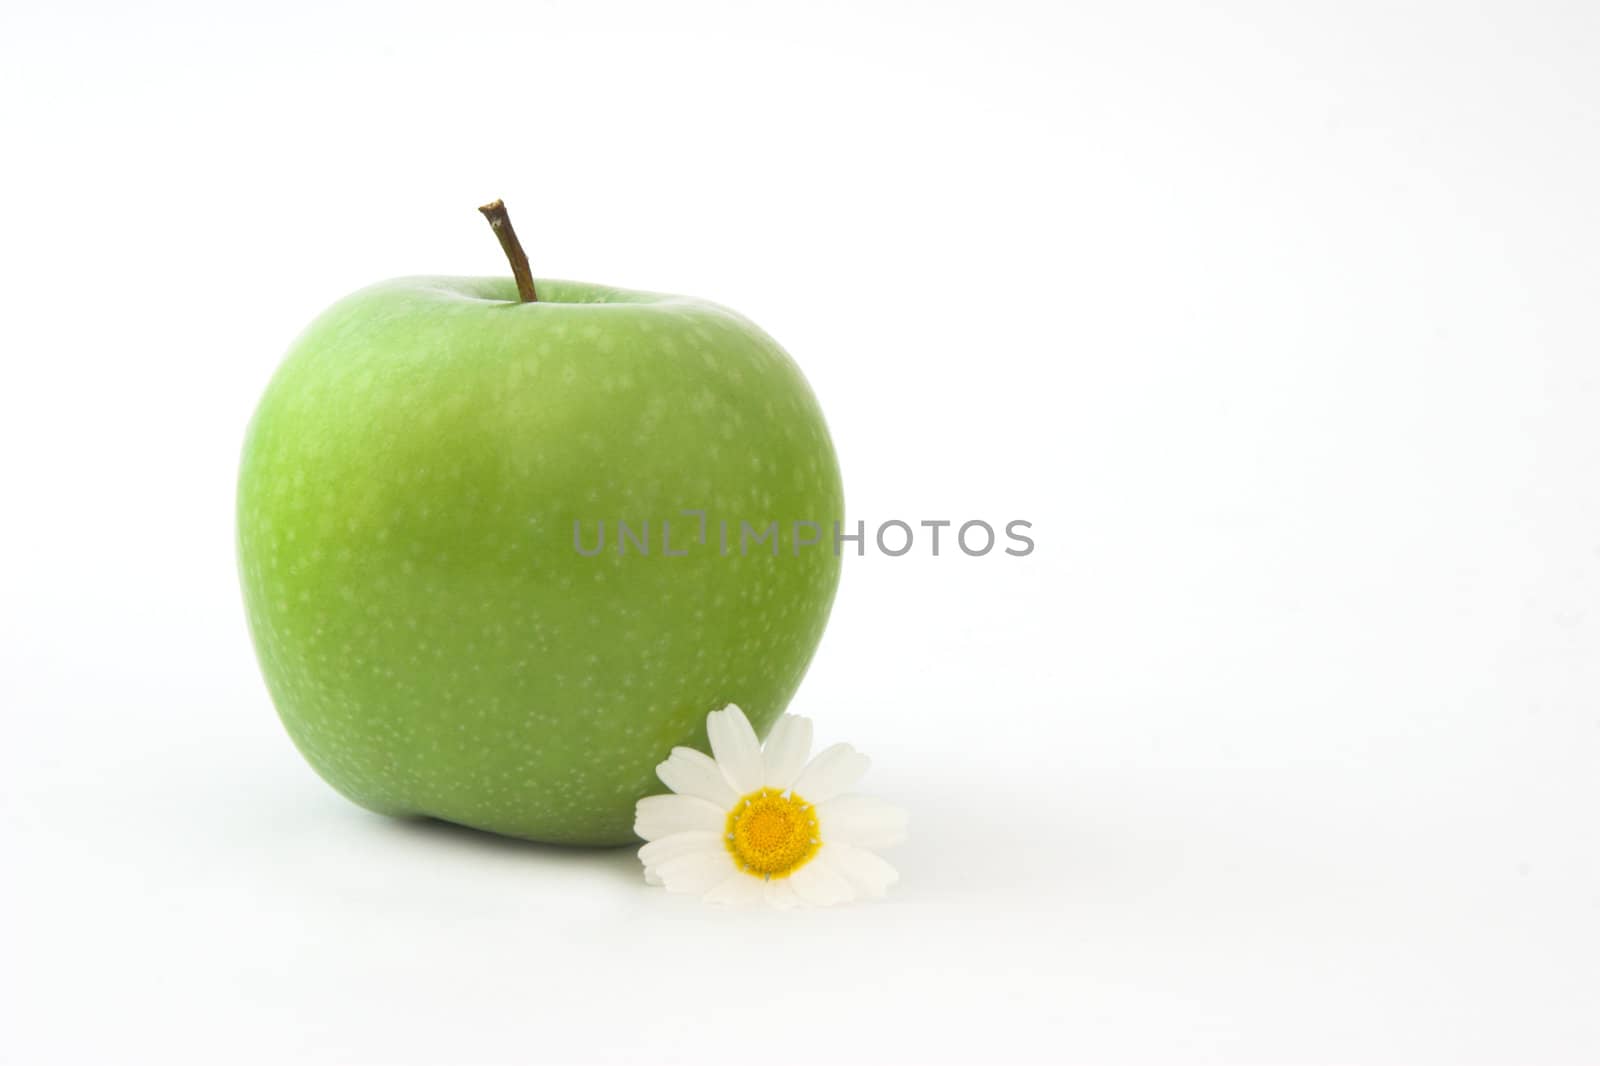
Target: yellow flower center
x=771, y=834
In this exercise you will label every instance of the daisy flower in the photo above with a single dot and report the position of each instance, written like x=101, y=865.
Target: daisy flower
x=750, y=825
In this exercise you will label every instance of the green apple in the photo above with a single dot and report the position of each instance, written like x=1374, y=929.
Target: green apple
x=421, y=496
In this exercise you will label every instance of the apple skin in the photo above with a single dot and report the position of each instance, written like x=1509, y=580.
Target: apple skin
x=433, y=640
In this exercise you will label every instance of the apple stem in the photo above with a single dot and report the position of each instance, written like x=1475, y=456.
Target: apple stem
x=500, y=222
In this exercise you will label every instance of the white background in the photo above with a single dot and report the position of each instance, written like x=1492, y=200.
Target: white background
x=1278, y=321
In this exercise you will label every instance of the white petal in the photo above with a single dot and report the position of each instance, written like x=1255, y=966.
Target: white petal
x=737, y=890
x=661, y=816
x=865, y=821
x=697, y=872
x=694, y=773
x=787, y=747
x=870, y=875
x=737, y=750
x=833, y=771
x=651, y=877
x=670, y=847
x=780, y=894
x=820, y=885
